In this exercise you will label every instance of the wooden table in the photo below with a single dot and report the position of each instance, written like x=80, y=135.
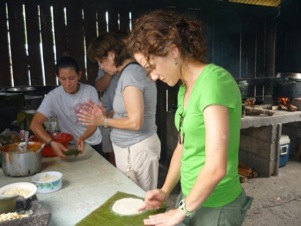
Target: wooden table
x=88, y=181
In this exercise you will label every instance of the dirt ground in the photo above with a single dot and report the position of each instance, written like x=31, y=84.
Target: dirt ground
x=277, y=199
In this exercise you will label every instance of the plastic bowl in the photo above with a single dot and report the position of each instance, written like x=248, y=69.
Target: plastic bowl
x=63, y=138
x=48, y=182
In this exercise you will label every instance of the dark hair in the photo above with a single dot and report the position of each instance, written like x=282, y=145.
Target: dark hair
x=155, y=31
x=65, y=62
x=109, y=41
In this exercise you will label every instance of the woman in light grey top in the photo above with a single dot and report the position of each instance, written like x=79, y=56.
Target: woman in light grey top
x=63, y=102
x=105, y=84
x=134, y=132
x=134, y=75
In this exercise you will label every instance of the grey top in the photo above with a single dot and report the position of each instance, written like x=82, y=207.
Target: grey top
x=64, y=106
x=109, y=93
x=135, y=75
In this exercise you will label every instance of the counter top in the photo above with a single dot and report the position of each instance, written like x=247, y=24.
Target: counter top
x=280, y=117
x=88, y=181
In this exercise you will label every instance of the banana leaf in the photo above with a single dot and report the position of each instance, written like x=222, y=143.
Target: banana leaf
x=105, y=216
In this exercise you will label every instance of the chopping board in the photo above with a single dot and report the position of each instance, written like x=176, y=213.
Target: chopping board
x=104, y=215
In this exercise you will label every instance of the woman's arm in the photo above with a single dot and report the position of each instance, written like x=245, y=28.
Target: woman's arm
x=92, y=114
x=88, y=132
x=37, y=128
x=80, y=142
x=134, y=105
x=103, y=83
x=217, y=135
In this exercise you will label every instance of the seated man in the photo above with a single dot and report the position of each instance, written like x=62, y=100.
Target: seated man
x=63, y=102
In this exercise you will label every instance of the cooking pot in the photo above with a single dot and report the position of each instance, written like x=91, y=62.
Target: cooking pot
x=19, y=161
x=289, y=76
x=287, y=85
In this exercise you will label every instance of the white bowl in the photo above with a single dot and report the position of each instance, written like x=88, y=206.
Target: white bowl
x=47, y=182
x=27, y=190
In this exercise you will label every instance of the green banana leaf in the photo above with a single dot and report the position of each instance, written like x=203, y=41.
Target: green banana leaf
x=105, y=216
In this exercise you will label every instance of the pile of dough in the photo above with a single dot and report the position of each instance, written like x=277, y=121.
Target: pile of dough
x=127, y=206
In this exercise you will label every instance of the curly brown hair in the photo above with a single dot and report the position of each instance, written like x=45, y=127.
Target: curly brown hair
x=109, y=41
x=155, y=31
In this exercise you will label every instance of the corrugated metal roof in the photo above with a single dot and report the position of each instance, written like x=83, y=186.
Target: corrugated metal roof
x=271, y=3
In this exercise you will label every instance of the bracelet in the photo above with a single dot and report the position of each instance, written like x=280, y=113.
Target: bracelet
x=49, y=142
x=105, y=123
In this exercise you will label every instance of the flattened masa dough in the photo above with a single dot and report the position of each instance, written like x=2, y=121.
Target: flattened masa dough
x=127, y=206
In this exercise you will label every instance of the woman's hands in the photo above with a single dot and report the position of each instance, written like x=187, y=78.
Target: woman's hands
x=58, y=149
x=153, y=200
x=80, y=142
x=91, y=114
x=169, y=218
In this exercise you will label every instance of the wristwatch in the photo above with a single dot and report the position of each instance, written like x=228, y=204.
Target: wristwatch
x=182, y=206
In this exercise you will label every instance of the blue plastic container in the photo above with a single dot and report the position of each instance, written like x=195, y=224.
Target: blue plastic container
x=284, y=150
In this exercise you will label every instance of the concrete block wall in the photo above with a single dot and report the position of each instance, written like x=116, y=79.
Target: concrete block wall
x=259, y=149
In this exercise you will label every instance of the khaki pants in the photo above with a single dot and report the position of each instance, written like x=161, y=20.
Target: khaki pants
x=143, y=159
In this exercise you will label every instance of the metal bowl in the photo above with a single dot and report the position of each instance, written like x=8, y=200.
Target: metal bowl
x=21, y=89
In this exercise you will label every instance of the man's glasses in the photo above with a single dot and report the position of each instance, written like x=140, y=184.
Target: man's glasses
x=181, y=134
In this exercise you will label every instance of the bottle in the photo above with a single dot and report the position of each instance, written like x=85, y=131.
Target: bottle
x=53, y=125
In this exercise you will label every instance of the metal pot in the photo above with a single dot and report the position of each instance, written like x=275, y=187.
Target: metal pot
x=19, y=161
x=287, y=85
x=289, y=75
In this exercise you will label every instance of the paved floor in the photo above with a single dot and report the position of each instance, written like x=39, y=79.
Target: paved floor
x=277, y=199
